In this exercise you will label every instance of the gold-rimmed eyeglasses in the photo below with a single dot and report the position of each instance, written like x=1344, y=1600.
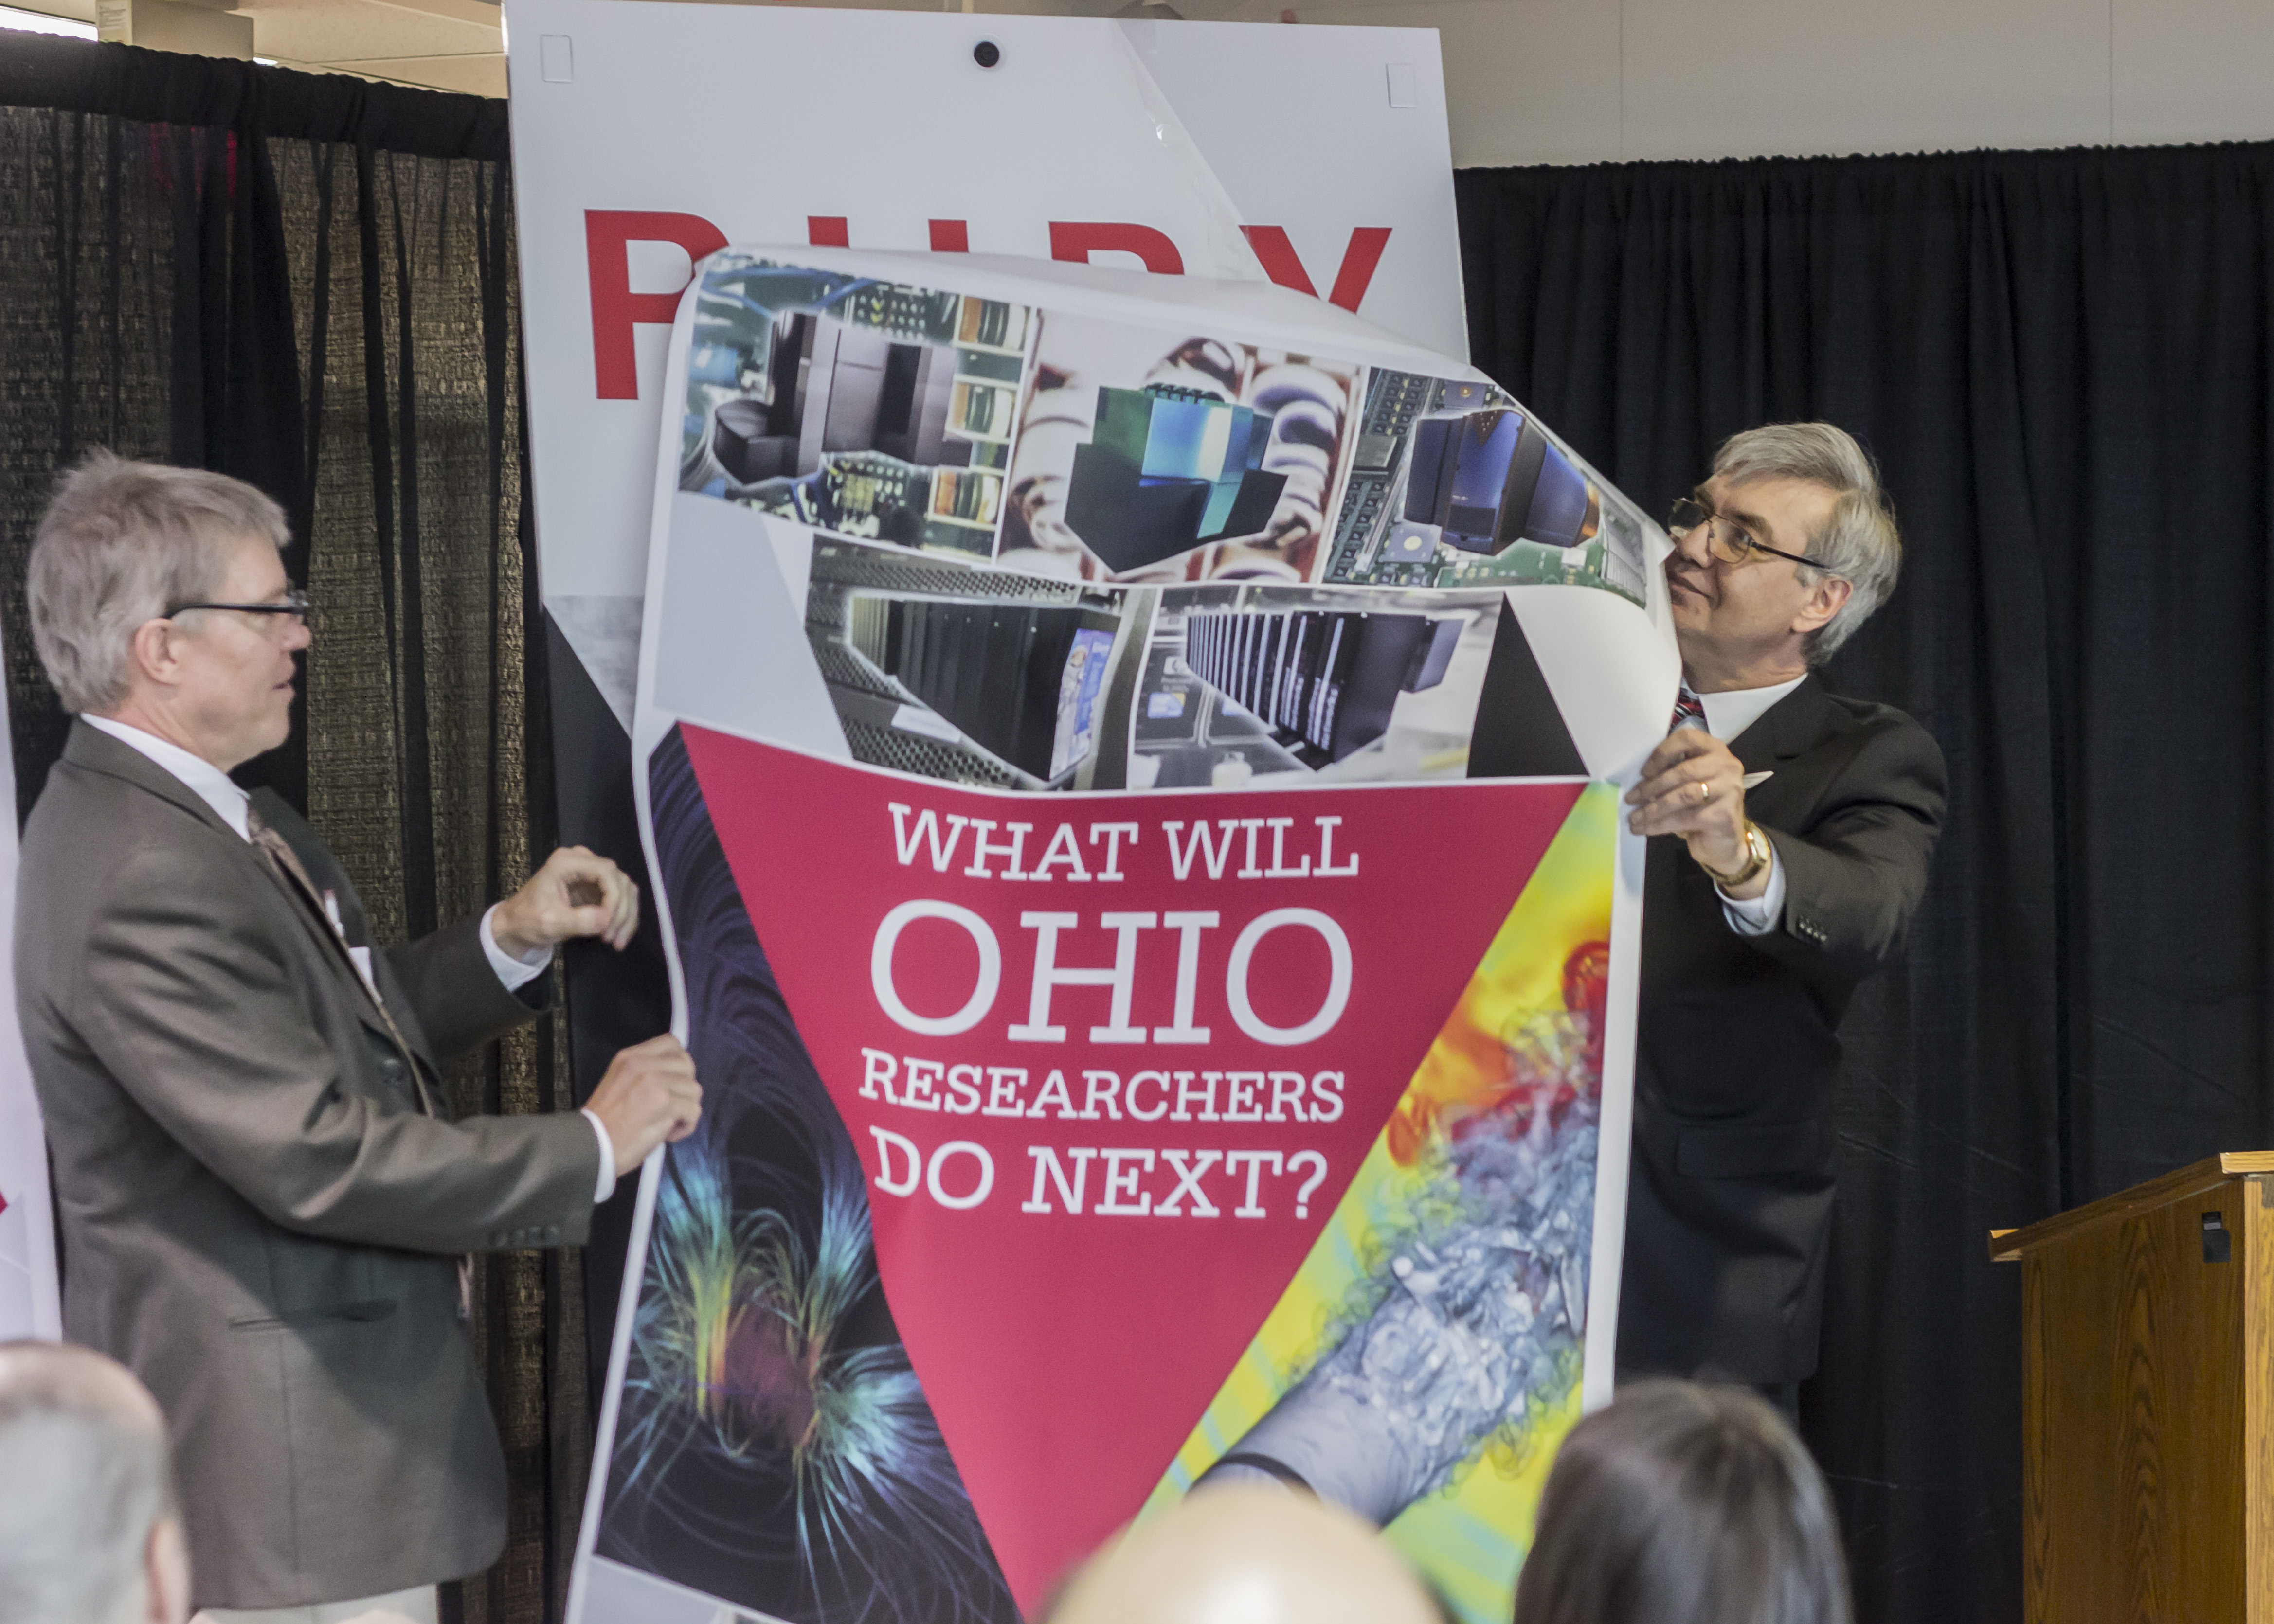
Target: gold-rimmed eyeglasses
x=1726, y=539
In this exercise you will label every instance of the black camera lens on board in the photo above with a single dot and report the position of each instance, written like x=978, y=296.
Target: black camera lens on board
x=986, y=53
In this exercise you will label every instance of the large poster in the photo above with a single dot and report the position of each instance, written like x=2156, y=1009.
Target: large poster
x=1130, y=771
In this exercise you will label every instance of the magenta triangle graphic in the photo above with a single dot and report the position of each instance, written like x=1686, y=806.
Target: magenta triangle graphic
x=1111, y=1060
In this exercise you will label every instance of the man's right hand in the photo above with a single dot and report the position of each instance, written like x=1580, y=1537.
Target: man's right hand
x=649, y=1096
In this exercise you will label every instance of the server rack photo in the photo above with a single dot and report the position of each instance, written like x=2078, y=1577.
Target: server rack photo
x=1325, y=680
x=1021, y=681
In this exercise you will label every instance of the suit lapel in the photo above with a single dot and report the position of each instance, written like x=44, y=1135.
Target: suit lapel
x=1786, y=730
x=375, y=1017
x=96, y=751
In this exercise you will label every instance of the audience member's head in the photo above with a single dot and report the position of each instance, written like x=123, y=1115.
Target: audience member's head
x=88, y=1530
x=1680, y=1504
x=1247, y=1555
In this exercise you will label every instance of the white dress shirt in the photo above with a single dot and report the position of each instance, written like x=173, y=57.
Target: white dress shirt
x=1726, y=716
x=231, y=804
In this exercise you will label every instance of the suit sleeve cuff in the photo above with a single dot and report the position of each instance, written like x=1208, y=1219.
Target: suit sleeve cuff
x=1758, y=915
x=513, y=974
x=608, y=1184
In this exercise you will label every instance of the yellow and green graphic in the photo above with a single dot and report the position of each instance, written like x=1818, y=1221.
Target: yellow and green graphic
x=1424, y=1362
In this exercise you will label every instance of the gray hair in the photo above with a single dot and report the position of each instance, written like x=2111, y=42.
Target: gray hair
x=1858, y=543
x=86, y=1477
x=121, y=543
x=1680, y=1504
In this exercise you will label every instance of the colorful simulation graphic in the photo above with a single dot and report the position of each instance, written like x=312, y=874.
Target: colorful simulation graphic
x=1425, y=1360
x=1154, y=994
x=772, y=1445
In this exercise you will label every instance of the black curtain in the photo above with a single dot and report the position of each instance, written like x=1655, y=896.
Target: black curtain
x=2063, y=363
x=308, y=282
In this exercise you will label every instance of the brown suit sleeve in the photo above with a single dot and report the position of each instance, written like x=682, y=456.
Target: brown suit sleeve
x=454, y=990
x=188, y=999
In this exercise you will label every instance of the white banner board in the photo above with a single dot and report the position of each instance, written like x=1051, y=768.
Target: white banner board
x=646, y=136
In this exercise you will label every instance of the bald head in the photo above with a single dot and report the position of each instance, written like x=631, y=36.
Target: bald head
x=88, y=1531
x=1247, y=1555
x=56, y=1377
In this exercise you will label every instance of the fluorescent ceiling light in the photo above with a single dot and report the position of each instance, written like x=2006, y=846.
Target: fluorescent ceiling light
x=40, y=22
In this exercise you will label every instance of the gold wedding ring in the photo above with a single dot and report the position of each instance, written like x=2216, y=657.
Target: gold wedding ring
x=1703, y=793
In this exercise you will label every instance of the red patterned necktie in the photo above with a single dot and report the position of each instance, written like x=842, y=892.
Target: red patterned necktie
x=1688, y=710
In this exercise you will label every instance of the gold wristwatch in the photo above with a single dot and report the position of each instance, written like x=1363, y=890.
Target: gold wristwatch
x=1757, y=857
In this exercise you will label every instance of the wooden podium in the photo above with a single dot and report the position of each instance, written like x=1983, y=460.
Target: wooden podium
x=2148, y=1401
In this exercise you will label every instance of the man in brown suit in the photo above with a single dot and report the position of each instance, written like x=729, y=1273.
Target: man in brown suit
x=266, y=1206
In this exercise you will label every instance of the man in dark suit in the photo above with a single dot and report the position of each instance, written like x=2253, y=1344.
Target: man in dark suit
x=266, y=1206
x=1791, y=834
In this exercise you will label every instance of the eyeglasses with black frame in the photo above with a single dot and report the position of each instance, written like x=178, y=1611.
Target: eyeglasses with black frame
x=294, y=603
x=1726, y=539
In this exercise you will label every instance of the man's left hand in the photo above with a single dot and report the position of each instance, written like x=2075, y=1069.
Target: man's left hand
x=577, y=893
x=1692, y=786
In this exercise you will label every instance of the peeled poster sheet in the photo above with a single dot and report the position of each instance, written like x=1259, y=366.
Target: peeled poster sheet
x=1131, y=771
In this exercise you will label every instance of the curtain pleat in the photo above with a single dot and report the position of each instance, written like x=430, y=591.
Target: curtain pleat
x=308, y=283
x=2063, y=363
x=71, y=367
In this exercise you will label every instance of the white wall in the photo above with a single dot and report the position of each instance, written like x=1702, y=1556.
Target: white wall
x=1591, y=81
x=1587, y=81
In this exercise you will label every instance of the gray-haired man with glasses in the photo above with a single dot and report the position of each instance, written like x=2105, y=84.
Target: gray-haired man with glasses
x=1791, y=834
x=266, y=1202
